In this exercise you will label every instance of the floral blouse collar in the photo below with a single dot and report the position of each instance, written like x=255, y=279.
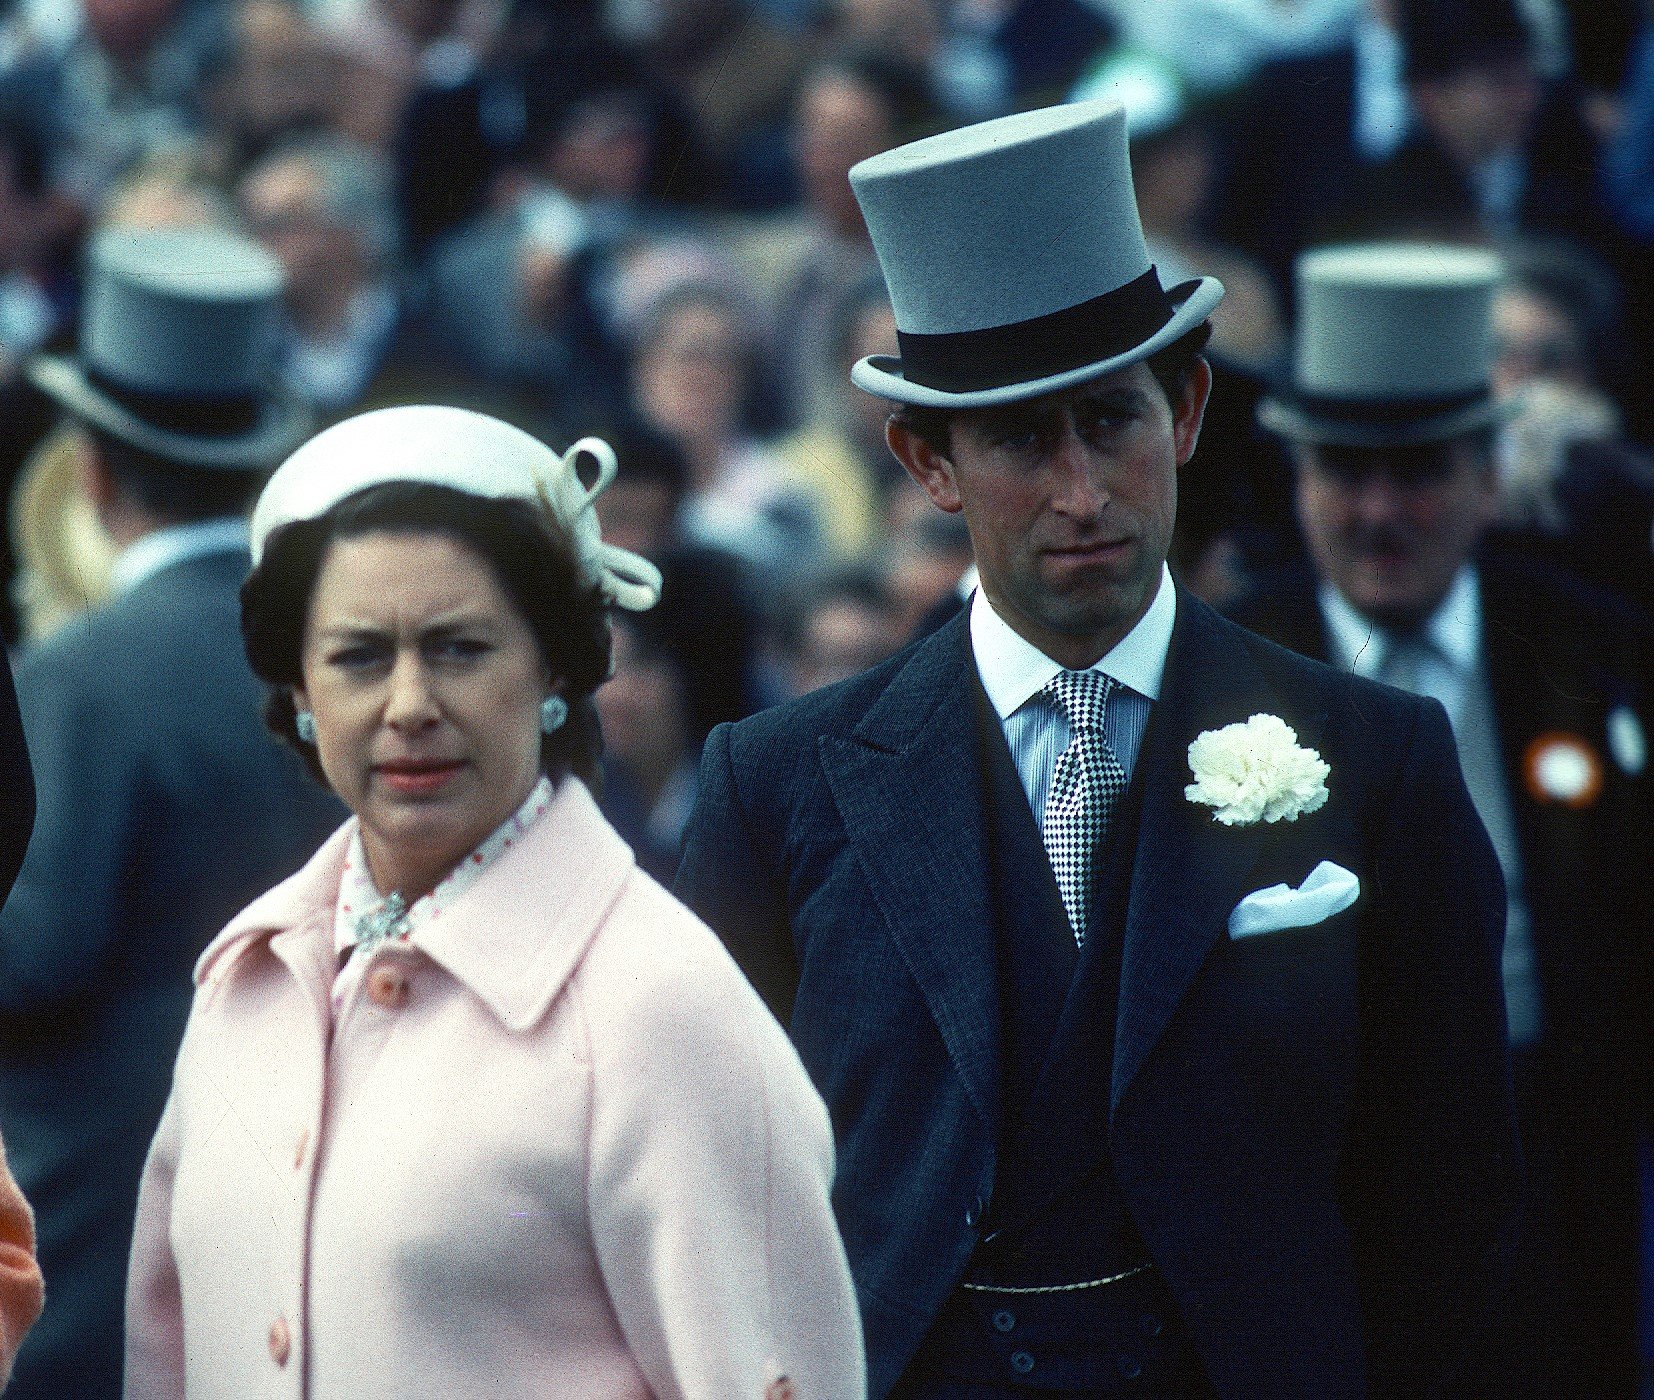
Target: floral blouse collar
x=360, y=905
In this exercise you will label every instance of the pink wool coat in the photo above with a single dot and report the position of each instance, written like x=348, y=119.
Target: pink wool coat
x=558, y=1149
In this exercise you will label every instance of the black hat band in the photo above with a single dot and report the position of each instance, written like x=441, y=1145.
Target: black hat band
x=962, y=362
x=211, y=416
x=1385, y=411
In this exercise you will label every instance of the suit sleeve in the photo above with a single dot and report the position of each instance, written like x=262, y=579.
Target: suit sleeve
x=57, y=925
x=154, y=1303
x=710, y=1167
x=725, y=878
x=1434, y=1176
x=17, y=816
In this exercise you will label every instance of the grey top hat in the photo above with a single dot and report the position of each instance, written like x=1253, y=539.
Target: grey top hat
x=1015, y=260
x=1394, y=346
x=179, y=338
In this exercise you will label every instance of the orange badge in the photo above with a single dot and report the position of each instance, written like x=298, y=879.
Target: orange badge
x=1562, y=768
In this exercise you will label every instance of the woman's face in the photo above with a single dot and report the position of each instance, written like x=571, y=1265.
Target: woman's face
x=426, y=685
x=691, y=376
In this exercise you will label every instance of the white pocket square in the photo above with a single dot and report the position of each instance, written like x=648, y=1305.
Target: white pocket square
x=1327, y=890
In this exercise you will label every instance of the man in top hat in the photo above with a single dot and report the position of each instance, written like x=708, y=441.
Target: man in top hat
x=163, y=806
x=1163, y=1039
x=1391, y=423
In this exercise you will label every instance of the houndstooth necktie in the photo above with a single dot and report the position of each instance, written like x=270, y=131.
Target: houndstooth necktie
x=1086, y=784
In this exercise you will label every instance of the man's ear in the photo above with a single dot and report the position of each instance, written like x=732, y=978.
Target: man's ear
x=1189, y=409
x=925, y=464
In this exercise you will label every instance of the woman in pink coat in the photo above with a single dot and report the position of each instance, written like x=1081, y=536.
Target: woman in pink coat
x=470, y=1106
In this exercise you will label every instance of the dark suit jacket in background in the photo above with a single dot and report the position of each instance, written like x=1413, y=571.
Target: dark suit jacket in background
x=1560, y=660
x=1312, y=1129
x=164, y=807
x=1288, y=146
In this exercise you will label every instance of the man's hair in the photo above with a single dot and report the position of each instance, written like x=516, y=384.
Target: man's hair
x=1170, y=367
x=174, y=494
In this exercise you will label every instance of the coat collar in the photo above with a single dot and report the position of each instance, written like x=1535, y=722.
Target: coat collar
x=907, y=782
x=1190, y=871
x=512, y=939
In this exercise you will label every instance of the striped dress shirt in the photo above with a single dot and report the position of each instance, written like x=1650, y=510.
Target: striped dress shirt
x=1014, y=673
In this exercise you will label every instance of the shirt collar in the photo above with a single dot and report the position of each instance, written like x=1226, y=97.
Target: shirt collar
x=1454, y=629
x=161, y=549
x=1014, y=670
x=358, y=895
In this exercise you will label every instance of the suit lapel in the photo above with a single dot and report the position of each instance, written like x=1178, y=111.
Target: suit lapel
x=908, y=786
x=1191, y=870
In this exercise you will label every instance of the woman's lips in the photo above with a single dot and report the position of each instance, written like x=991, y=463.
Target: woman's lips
x=416, y=779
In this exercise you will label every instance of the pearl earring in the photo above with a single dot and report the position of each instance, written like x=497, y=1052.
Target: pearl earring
x=304, y=724
x=554, y=710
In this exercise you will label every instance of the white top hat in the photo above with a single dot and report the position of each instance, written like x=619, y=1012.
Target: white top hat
x=469, y=452
x=1015, y=260
x=179, y=339
x=1394, y=346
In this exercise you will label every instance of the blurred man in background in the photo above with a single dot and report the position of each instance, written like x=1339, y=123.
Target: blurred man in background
x=1391, y=416
x=163, y=806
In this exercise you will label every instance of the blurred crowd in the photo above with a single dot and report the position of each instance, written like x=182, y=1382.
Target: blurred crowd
x=632, y=217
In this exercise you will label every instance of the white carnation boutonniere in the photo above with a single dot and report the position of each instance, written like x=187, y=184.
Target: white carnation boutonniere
x=1256, y=772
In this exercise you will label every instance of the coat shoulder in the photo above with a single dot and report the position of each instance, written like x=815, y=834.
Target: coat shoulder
x=658, y=983
x=1312, y=682
x=654, y=957
x=1557, y=615
x=771, y=737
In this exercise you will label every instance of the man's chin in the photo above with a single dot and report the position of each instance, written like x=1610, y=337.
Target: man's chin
x=1394, y=609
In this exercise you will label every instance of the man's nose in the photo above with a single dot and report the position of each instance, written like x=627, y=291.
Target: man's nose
x=1379, y=499
x=1082, y=486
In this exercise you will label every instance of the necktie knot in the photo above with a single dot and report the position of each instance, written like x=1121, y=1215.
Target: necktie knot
x=1082, y=696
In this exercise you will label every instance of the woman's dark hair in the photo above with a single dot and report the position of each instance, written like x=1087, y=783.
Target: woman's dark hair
x=529, y=554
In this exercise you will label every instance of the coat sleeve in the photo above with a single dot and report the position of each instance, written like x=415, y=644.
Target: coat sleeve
x=55, y=929
x=725, y=878
x=154, y=1304
x=709, y=1171
x=1433, y=1177
x=21, y=1289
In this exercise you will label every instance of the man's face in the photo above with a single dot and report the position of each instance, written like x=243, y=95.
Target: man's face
x=1070, y=501
x=1390, y=527
x=1480, y=111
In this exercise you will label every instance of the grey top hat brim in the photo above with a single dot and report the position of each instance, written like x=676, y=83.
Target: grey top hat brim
x=1300, y=423
x=882, y=374
x=282, y=426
